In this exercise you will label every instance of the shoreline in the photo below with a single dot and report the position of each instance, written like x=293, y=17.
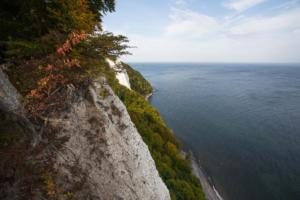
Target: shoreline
x=209, y=189
x=148, y=96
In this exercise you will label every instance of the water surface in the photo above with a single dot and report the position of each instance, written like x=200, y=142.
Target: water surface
x=242, y=121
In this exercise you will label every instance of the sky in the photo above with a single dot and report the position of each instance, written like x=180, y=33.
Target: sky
x=208, y=30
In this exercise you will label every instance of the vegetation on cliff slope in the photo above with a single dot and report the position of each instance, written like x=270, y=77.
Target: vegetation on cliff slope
x=137, y=82
x=164, y=147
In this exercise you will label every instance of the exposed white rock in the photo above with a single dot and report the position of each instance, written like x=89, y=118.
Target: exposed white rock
x=107, y=150
x=111, y=63
x=123, y=79
x=121, y=73
x=10, y=104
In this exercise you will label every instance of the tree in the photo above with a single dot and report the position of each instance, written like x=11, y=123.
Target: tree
x=53, y=43
x=24, y=24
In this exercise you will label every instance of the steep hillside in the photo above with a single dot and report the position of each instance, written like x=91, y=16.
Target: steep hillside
x=165, y=149
x=137, y=81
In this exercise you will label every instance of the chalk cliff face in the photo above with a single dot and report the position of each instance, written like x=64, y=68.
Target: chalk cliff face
x=121, y=73
x=106, y=146
x=101, y=155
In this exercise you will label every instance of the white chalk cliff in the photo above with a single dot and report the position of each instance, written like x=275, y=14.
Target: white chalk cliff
x=102, y=155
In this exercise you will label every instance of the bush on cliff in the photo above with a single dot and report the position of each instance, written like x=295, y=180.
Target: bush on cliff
x=174, y=169
x=137, y=82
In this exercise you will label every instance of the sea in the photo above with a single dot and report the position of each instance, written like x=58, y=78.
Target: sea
x=241, y=121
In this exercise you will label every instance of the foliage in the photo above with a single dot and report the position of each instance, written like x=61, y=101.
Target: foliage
x=102, y=6
x=65, y=52
x=78, y=59
x=70, y=15
x=23, y=19
x=105, y=45
x=24, y=23
x=50, y=186
x=137, y=82
x=53, y=190
x=164, y=147
x=44, y=96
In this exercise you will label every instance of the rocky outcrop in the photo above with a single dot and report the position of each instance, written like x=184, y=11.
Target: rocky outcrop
x=100, y=156
x=11, y=108
x=10, y=98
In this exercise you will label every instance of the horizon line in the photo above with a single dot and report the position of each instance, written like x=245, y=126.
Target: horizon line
x=212, y=62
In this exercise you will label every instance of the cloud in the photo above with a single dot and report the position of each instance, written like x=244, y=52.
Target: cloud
x=180, y=2
x=190, y=23
x=242, y=5
x=287, y=5
x=272, y=48
x=192, y=36
x=259, y=25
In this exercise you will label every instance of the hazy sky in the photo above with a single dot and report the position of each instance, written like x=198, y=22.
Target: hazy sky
x=209, y=30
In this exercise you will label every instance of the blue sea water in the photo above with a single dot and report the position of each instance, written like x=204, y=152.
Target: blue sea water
x=242, y=121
